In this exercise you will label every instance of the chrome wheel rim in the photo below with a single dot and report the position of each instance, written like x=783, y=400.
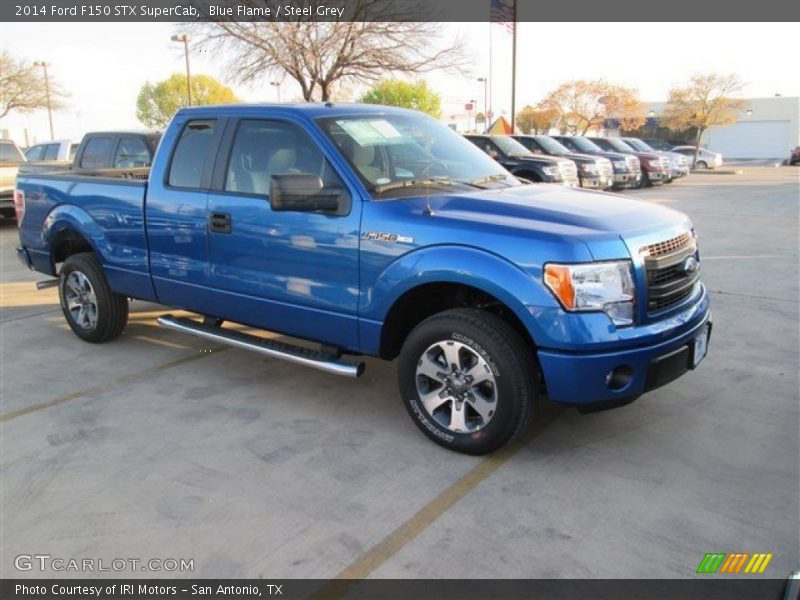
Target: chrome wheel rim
x=456, y=387
x=81, y=300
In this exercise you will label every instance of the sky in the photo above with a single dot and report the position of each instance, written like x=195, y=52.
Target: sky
x=103, y=65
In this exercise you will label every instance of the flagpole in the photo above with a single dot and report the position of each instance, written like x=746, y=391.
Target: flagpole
x=514, y=70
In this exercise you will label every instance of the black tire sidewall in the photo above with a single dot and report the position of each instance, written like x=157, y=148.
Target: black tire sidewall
x=88, y=265
x=511, y=379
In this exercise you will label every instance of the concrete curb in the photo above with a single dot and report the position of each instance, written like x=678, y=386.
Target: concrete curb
x=718, y=172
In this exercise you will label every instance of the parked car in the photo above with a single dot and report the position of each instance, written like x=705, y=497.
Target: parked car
x=49, y=156
x=655, y=168
x=705, y=159
x=331, y=224
x=56, y=150
x=131, y=151
x=10, y=160
x=794, y=157
x=627, y=169
x=594, y=172
x=679, y=166
x=525, y=164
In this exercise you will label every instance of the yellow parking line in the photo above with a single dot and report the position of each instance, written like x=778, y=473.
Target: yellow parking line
x=147, y=373
x=384, y=550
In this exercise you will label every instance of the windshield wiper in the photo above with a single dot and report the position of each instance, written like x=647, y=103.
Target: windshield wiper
x=487, y=179
x=403, y=183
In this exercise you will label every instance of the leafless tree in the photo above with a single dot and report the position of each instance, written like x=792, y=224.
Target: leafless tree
x=380, y=40
x=22, y=86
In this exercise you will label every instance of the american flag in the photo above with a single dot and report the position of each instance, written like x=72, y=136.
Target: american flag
x=504, y=12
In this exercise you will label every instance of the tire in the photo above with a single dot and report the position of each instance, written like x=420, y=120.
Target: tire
x=490, y=412
x=701, y=165
x=645, y=182
x=94, y=313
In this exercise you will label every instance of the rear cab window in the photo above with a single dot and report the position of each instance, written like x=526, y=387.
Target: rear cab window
x=192, y=154
x=131, y=153
x=51, y=152
x=35, y=152
x=95, y=153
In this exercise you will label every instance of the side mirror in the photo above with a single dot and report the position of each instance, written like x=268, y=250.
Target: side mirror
x=493, y=153
x=300, y=192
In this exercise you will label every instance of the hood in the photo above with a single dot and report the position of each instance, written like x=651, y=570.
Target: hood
x=580, y=158
x=504, y=219
x=547, y=161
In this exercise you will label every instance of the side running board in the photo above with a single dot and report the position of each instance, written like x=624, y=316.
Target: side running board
x=280, y=350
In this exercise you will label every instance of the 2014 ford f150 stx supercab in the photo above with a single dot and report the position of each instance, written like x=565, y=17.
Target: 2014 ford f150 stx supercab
x=379, y=231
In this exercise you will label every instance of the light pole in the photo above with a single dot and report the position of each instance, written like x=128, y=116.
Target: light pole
x=186, y=39
x=277, y=85
x=44, y=65
x=485, y=81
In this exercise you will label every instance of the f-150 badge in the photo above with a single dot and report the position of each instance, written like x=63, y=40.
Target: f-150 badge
x=388, y=237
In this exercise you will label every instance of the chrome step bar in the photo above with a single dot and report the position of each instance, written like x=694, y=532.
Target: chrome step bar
x=273, y=349
x=47, y=283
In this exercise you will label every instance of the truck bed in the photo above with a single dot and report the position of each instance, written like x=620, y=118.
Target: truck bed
x=110, y=205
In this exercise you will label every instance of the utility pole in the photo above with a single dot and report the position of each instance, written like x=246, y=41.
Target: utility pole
x=186, y=39
x=44, y=65
x=277, y=84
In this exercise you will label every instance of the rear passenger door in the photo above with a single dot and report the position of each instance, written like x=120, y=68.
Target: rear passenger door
x=292, y=272
x=177, y=215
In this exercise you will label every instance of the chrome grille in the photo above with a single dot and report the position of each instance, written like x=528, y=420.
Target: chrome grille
x=633, y=164
x=668, y=282
x=606, y=168
x=665, y=163
x=569, y=170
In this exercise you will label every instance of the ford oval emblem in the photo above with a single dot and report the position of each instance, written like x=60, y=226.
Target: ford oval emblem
x=690, y=265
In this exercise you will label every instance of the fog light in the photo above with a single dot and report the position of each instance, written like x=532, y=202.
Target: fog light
x=619, y=377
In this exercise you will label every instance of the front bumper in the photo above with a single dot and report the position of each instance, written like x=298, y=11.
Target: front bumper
x=662, y=353
x=599, y=182
x=657, y=177
x=627, y=180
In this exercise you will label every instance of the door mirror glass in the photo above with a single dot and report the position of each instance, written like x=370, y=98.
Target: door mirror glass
x=301, y=192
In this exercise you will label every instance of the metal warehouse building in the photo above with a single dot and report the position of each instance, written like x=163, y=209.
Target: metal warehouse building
x=766, y=128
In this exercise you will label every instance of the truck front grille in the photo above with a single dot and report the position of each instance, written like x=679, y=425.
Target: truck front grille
x=606, y=169
x=569, y=171
x=668, y=279
x=633, y=164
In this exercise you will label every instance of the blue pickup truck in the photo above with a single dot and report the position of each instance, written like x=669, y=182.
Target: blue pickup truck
x=378, y=231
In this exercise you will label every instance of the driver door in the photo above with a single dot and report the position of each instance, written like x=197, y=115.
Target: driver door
x=291, y=272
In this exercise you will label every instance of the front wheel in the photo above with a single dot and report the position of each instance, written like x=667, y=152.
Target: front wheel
x=93, y=312
x=468, y=380
x=701, y=165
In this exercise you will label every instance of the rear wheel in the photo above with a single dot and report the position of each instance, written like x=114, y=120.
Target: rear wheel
x=701, y=165
x=94, y=313
x=468, y=380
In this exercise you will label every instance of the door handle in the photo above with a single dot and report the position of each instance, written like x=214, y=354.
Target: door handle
x=219, y=222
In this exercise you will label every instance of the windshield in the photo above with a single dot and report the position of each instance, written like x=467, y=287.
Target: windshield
x=403, y=153
x=615, y=145
x=510, y=146
x=550, y=145
x=10, y=154
x=637, y=144
x=581, y=144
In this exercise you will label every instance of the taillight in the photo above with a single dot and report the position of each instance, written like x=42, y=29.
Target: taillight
x=19, y=205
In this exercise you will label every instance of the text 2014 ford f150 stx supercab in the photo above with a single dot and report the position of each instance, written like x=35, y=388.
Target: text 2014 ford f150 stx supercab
x=379, y=231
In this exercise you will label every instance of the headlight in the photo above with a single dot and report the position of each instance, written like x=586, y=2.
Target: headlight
x=552, y=171
x=620, y=165
x=601, y=286
x=589, y=168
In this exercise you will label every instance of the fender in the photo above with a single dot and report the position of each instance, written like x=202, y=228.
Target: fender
x=480, y=269
x=115, y=242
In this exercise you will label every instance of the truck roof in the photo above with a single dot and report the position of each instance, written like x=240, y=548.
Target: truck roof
x=310, y=109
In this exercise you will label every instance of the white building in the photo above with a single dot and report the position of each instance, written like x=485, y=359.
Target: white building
x=766, y=128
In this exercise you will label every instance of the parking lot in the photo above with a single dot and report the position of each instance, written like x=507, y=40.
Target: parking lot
x=160, y=446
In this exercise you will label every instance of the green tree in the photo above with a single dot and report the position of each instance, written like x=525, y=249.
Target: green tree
x=407, y=95
x=705, y=102
x=157, y=102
